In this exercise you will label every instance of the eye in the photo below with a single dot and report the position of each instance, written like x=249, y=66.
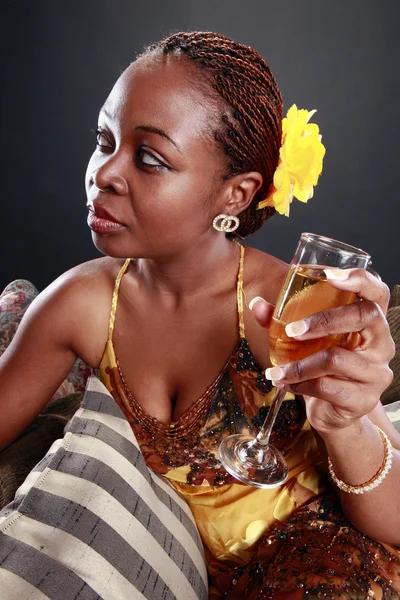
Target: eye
x=144, y=157
x=102, y=141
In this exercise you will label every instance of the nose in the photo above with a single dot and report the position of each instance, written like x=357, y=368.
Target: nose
x=108, y=178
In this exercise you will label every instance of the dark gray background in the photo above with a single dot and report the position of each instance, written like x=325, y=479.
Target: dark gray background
x=60, y=59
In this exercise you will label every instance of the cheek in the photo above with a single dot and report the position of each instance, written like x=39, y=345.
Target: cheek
x=184, y=199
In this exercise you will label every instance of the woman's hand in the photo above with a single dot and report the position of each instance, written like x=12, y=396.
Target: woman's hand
x=340, y=384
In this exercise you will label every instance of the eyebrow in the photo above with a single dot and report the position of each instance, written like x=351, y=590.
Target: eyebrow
x=158, y=131
x=148, y=128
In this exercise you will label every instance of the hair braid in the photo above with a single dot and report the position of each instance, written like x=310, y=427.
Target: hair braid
x=251, y=133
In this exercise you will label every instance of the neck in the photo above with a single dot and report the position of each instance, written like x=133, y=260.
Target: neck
x=200, y=268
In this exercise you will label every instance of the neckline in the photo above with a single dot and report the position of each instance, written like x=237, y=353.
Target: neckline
x=198, y=406
x=184, y=425
x=206, y=397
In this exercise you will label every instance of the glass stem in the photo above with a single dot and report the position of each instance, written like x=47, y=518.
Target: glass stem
x=265, y=431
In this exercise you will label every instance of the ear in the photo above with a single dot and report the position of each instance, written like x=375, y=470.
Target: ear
x=240, y=191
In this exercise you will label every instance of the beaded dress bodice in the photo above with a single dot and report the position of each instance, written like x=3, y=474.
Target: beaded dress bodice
x=236, y=401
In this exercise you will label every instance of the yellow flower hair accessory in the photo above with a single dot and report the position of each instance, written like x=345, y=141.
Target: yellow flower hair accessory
x=300, y=161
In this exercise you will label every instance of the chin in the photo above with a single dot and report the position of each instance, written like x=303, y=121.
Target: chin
x=109, y=245
x=115, y=247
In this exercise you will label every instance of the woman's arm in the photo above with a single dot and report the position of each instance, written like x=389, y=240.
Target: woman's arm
x=357, y=454
x=54, y=330
x=342, y=388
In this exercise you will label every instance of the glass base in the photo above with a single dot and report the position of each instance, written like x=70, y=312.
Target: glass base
x=251, y=462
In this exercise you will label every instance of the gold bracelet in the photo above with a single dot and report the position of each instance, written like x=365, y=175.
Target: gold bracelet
x=376, y=479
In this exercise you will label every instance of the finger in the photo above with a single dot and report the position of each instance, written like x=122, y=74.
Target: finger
x=262, y=310
x=336, y=362
x=339, y=392
x=365, y=317
x=362, y=283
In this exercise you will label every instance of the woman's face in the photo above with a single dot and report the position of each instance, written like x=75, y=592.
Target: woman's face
x=155, y=169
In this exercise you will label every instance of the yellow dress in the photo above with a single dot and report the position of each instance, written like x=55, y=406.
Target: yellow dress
x=289, y=542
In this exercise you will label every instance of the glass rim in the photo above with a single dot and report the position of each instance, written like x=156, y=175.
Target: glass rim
x=334, y=244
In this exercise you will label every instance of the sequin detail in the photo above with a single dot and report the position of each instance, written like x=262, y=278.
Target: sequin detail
x=187, y=425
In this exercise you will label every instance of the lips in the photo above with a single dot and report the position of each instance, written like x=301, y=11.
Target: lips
x=103, y=213
x=101, y=221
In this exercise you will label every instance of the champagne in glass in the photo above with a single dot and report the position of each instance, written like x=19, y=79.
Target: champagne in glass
x=306, y=291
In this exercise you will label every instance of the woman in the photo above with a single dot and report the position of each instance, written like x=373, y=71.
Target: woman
x=188, y=139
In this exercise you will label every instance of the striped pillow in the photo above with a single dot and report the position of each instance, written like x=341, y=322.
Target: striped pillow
x=92, y=521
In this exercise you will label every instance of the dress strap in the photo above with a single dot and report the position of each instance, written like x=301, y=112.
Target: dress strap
x=239, y=292
x=114, y=300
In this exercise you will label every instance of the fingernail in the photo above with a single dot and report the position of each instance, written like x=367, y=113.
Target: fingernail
x=274, y=373
x=252, y=302
x=337, y=274
x=296, y=328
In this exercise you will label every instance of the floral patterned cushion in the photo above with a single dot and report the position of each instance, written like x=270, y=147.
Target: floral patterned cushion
x=14, y=300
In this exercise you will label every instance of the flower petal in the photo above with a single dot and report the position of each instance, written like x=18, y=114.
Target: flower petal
x=300, y=163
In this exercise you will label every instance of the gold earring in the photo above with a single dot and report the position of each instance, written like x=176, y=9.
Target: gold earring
x=226, y=223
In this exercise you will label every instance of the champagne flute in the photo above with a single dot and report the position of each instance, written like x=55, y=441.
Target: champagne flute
x=305, y=291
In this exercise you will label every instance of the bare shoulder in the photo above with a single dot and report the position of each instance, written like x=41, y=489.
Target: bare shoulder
x=79, y=301
x=89, y=276
x=68, y=319
x=264, y=274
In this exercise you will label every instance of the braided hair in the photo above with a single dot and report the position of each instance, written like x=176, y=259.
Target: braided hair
x=251, y=128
